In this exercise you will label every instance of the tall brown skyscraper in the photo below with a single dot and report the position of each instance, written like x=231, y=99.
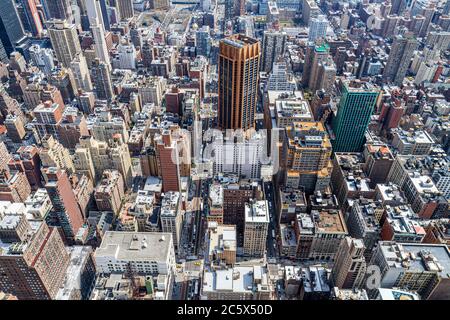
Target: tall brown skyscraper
x=168, y=162
x=66, y=211
x=238, y=82
x=33, y=268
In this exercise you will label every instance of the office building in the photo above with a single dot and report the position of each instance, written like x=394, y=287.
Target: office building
x=32, y=21
x=80, y=275
x=11, y=28
x=57, y=9
x=15, y=128
x=256, y=228
x=238, y=82
x=397, y=65
x=238, y=283
x=92, y=157
x=319, y=235
x=171, y=216
x=236, y=193
x=102, y=82
x=355, y=108
x=126, y=9
x=33, y=268
x=422, y=268
x=310, y=9
x=27, y=160
x=94, y=11
x=349, y=269
x=203, y=41
x=240, y=154
x=66, y=212
x=14, y=186
x=143, y=253
x=317, y=28
x=53, y=154
x=168, y=161
x=64, y=39
x=42, y=58
x=109, y=192
x=222, y=244
x=307, y=157
x=80, y=72
x=273, y=46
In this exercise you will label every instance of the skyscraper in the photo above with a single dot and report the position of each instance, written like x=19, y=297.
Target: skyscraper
x=317, y=28
x=33, y=269
x=80, y=71
x=273, y=46
x=11, y=28
x=64, y=40
x=402, y=51
x=57, y=9
x=319, y=70
x=32, y=18
x=126, y=9
x=355, y=109
x=234, y=8
x=203, y=41
x=94, y=11
x=308, y=152
x=66, y=212
x=167, y=157
x=238, y=82
x=102, y=80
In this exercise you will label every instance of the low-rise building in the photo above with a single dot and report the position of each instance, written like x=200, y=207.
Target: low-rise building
x=238, y=283
x=222, y=244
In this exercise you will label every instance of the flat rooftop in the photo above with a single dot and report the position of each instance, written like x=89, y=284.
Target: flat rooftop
x=131, y=246
x=329, y=221
x=418, y=257
x=223, y=237
x=73, y=278
x=240, y=279
x=239, y=41
x=257, y=212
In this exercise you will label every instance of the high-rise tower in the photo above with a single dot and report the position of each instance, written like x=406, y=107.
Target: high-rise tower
x=238, y=82
x=402, y=51
x=273, y=46
x=66, y=212
x=353, y=116
x=64, y=39
x=94, y=11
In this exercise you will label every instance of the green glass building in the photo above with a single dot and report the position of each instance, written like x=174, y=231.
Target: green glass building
x=353, y=116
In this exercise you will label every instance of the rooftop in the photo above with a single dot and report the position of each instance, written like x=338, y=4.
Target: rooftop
x=216, y=195
x=257, y=212
x=240, y=279
x=132, y=246
x=170, y=203
x=418, y=257
x=74, y=272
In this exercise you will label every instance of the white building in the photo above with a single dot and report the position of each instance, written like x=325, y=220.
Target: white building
x=145, y=253
x=42, y=58
x=126, y=57
x=171, y=216
x=80, y=72
x=242, y=156
x=98, y=31
x=238, y=283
